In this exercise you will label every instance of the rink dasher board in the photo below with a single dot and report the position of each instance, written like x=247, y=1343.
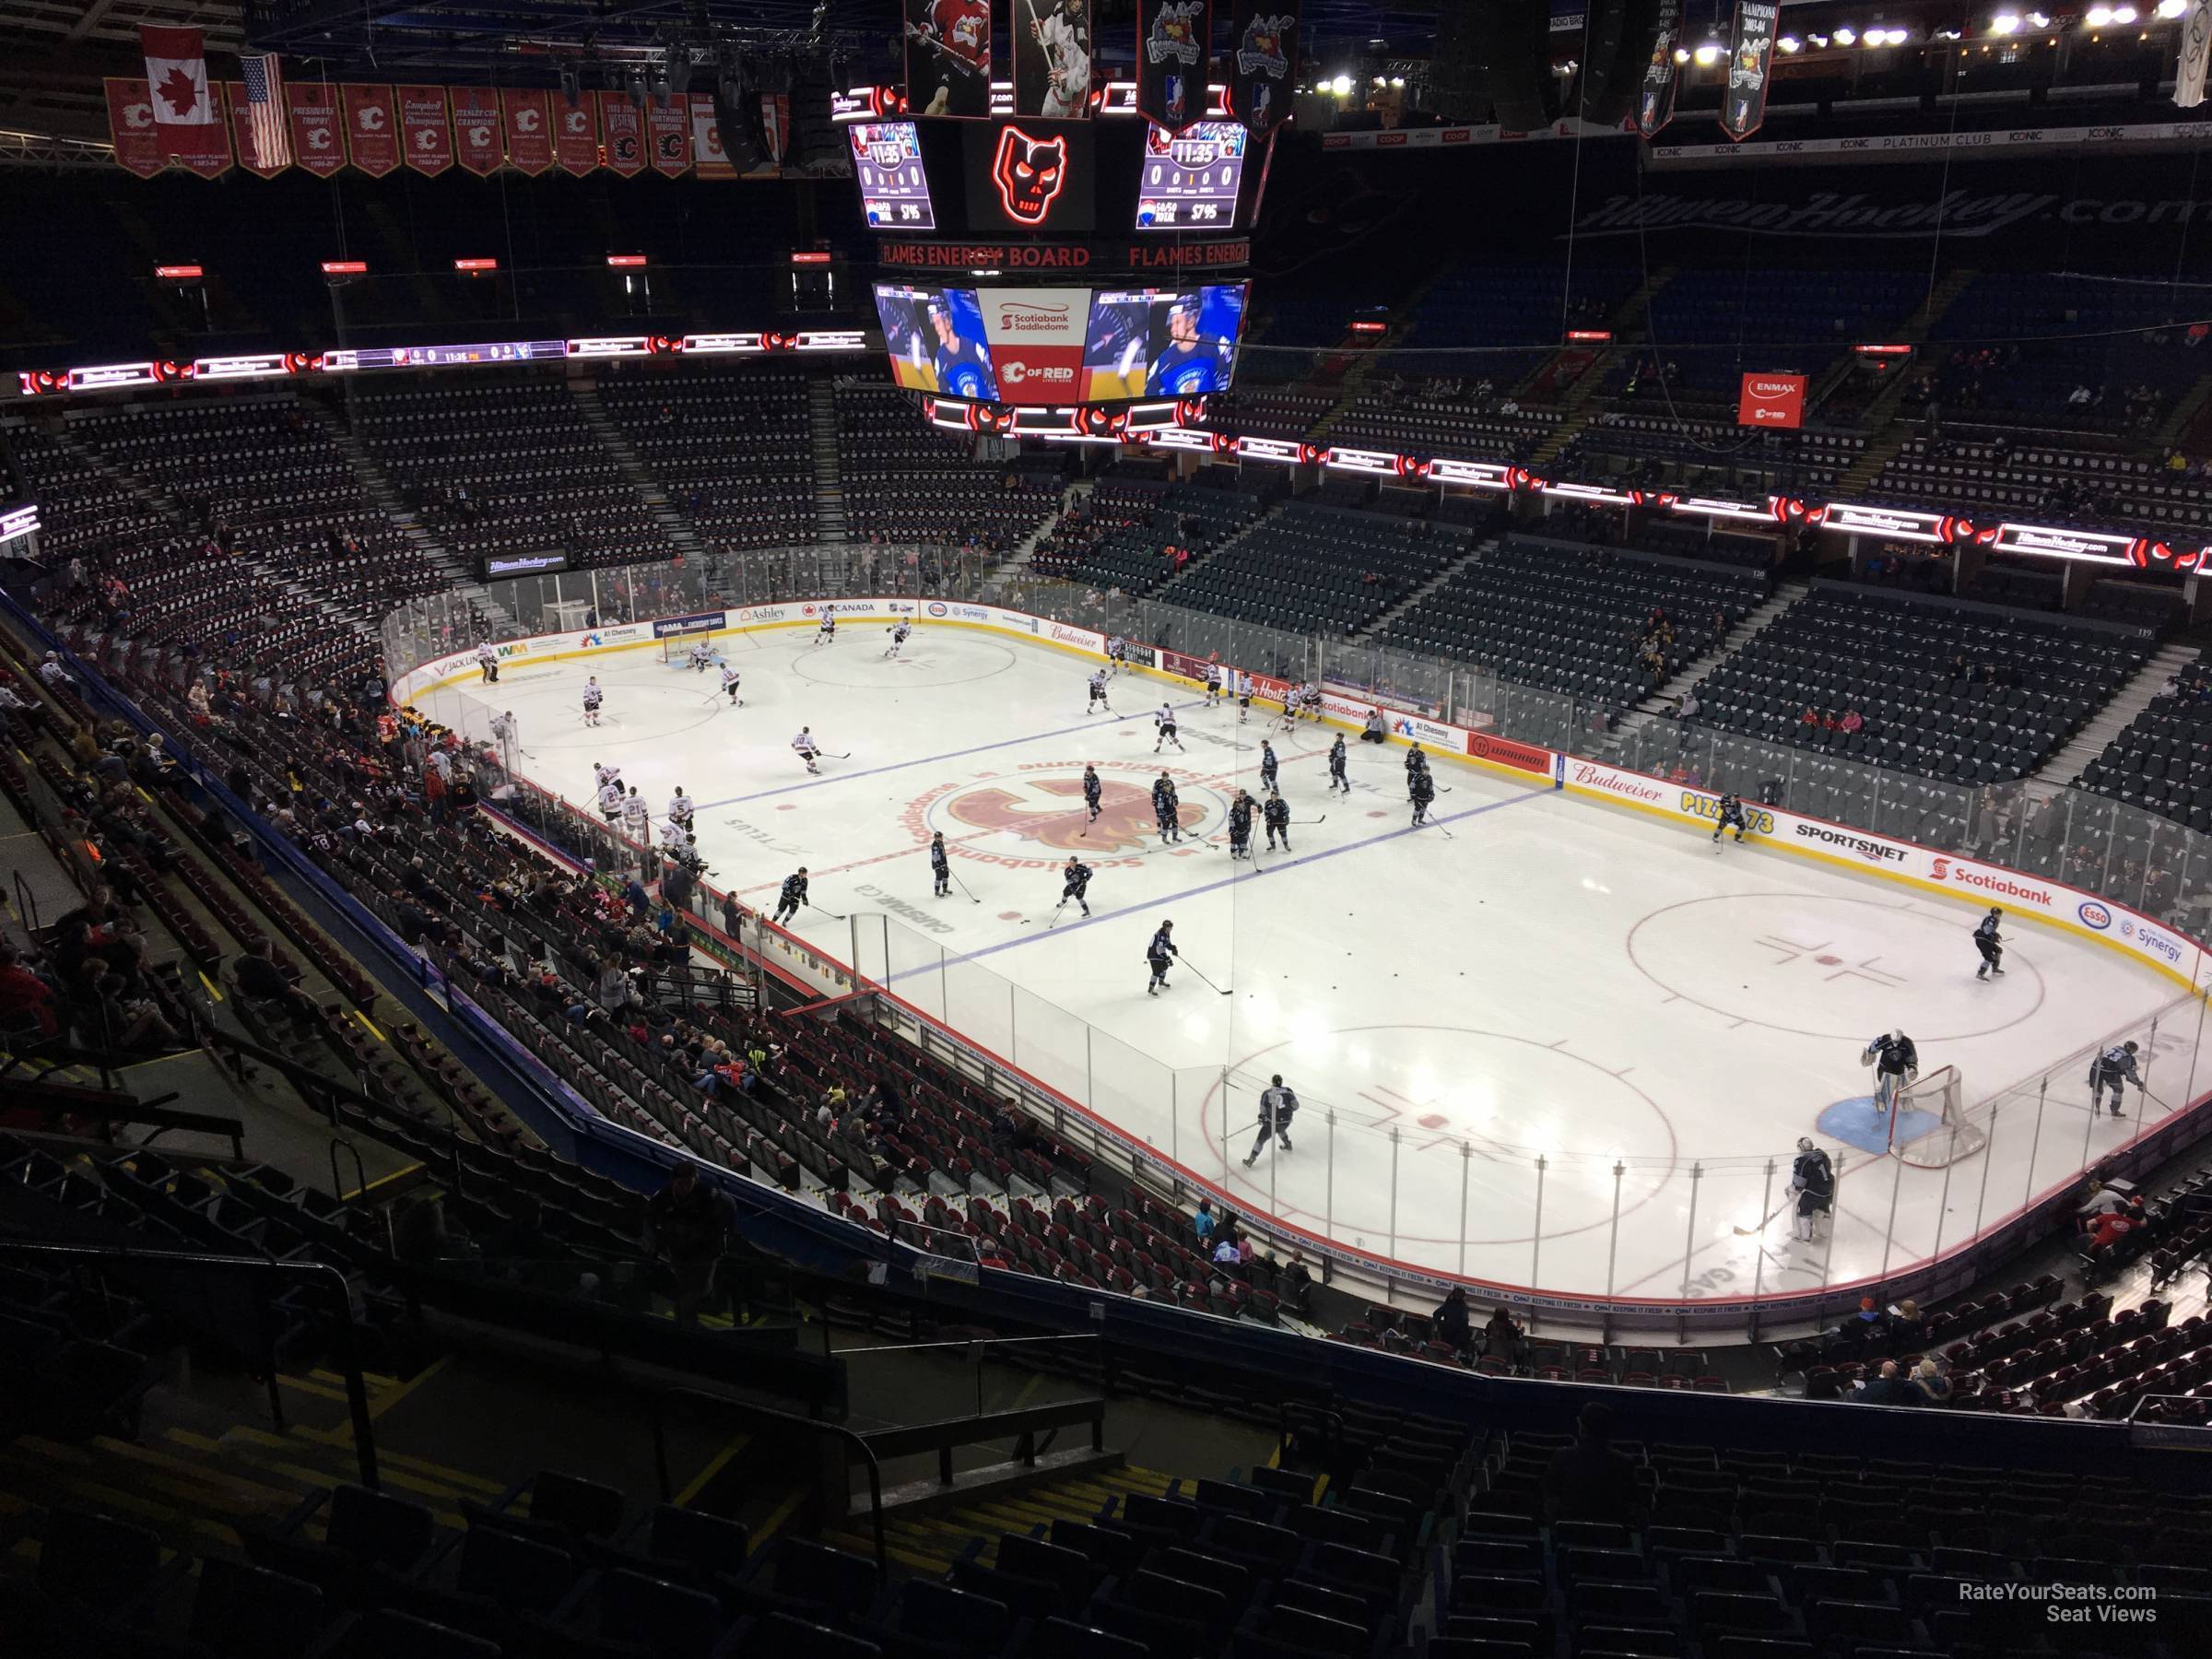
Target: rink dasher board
x=2176, y=955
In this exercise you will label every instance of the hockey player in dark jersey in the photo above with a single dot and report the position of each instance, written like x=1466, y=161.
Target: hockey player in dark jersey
x=1074, y=881
x=1278, y=1105
x=1277, y=814
x=1813, y=1179
x=1268, y=765
x=1731, y=816
x=2111, y=1070
x=1158, y=954
x=1336, y=765
x=1240, y=825
x=1421, y=790
x=1092, y=789
x=793, y=896
x=939, y=866
x=1417, y=759
x=1167, y=811
x=1895, y=1063
x=1991, y=943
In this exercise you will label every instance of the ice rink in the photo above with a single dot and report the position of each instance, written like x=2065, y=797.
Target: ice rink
x=1536, y=976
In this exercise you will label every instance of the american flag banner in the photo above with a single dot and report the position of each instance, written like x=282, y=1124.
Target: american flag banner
x=266, y=140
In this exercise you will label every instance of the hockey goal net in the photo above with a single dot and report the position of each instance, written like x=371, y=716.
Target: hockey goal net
x=1928, y=1127
x=676, y=649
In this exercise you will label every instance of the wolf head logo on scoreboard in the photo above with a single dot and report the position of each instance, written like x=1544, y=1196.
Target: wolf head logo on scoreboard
x=1028, y=173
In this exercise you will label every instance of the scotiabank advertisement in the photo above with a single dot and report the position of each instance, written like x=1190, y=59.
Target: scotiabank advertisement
x=1036, y=340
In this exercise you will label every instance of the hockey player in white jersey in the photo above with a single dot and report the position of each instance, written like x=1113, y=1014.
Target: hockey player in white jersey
x=637, y=819
x=702, y=656
x=826, y=634
x=804, y=746
x=1063, y=33
x=729, y=685
x=1097, y=693
x=1163, y=725
x=680, y=807
x=898, y=637
x=610, y=800
x=593, y=697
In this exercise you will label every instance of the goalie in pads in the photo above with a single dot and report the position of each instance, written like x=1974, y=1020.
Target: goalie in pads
x=1896, y=1063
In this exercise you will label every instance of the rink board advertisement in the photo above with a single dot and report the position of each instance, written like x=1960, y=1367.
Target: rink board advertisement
x=699, y=622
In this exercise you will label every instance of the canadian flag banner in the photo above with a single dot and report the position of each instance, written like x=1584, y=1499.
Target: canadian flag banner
x=622, y=134
x=316, y=145
x=576, y=134
x=371, y=128
x=186, y=121
x=476, y=130
x=711, y=160
x=424, y=129
x=241, y=131
x=529, y=129
x=670, y=127
x=131, y=128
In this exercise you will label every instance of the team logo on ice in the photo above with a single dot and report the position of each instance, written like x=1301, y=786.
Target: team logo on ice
x=1050, y=811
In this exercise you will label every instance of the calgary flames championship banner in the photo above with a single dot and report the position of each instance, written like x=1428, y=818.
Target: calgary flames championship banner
x=1751, y=66
x=1263, y=53
x=1052, y=59
x=948, y=57
x=1174, y=40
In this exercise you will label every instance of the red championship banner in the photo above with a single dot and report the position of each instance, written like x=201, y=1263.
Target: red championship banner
x=576, y=134
x=371, y=128
x=131, y=128
x=621, y=135
x=529, y=129
x=1771, y=400
x=1173, y=45
x=316, y=144
x=476, y=130
x=425, y=130
x=669, y=127
x=709, y=160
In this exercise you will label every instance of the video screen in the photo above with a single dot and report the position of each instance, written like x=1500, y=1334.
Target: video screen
x=936, y=340
x=1191, y=178
x=1161, y=342
x=894, y=190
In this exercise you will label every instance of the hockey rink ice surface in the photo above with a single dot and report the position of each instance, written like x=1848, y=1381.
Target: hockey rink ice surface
x=1556, y=978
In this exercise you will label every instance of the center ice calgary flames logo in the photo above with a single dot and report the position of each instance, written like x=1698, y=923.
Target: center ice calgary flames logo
x=1028, y=173
x=1050, y=811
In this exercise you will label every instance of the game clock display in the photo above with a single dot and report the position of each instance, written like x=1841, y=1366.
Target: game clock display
x=894, y=185
x=1192, y=178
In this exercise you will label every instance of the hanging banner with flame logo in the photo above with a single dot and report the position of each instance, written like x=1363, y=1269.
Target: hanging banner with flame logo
x=576, y=134
x=426, y=129
x=372, y=129
x=476, y=130
x=1173, y=42
x=317, y=148
x=131, y=128
x=622, y=132
x=669, y=128
x=1751, y=66
x=1655, y=98
x=529, y=124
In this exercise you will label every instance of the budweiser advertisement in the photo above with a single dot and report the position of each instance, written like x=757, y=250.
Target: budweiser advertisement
x=1771, y=400
x=1036, y=340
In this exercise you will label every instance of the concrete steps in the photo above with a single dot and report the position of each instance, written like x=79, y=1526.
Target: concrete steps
x=1374, y=630
x=829, y=483
x=616, y=442
x=2115, y=717
x=1757, y=622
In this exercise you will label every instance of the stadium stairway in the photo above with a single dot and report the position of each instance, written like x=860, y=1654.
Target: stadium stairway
x=1475, y=554
x=2189, y=427
x=829, y=483
x=616, y=442
x=1755, y=622
x=378, y=483
x=2065, y=767
x=929, y=1540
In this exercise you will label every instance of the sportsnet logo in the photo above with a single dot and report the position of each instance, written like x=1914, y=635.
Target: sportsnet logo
x=1879, y=852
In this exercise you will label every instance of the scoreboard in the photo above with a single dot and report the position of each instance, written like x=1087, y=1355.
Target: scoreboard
x=1192, y=180
x=894, y=187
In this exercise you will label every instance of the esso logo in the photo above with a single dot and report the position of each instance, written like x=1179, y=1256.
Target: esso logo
x=2094, y=915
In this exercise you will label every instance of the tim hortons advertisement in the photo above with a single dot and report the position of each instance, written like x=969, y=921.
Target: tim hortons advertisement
x=1771, y=400
x=1036, y=340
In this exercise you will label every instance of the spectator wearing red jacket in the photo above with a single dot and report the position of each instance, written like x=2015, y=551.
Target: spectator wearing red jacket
x=2112, y=1226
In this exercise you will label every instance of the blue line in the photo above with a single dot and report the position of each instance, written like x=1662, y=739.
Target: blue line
x=1303, y=858
x=980, y=749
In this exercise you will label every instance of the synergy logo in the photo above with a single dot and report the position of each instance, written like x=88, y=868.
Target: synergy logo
x=1028, y=173
x=2094, y=915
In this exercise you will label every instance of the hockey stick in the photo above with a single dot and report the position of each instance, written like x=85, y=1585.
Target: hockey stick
x=831, y=913
x=972, y=898
x=1303, y=822
x=1203, y=979
x=836, y=756
x=1753, y=1232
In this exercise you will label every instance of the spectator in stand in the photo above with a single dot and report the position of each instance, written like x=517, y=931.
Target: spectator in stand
x=1930, y=1384
x=2110, y=1227
x=686, y=1226
x=1889, y=1387
x=1202, y=1223
x=27, y=1002
x=1451, y=1319
x=1589, y=1480
x=1502, y=1336
x=261, y=981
